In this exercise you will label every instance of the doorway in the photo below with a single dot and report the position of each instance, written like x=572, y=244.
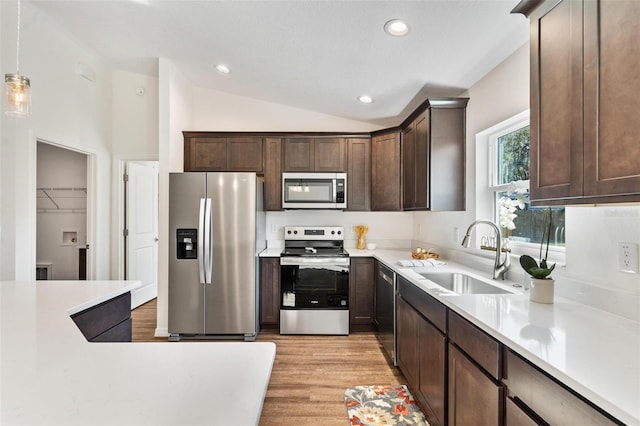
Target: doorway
x=61, y=215
x=141, y=228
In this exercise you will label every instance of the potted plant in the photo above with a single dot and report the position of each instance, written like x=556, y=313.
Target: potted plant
x=542, y=285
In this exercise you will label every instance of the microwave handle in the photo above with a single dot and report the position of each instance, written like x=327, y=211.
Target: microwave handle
x=335, y=191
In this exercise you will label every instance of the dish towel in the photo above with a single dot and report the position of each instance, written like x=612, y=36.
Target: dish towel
x=413, y=263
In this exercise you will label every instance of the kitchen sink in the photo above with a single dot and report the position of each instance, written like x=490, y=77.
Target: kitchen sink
x=463, y=284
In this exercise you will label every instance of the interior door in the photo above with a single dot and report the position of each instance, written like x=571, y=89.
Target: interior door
x=142, y=229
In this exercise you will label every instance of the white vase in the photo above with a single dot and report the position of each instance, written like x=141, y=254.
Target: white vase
x=542, y=290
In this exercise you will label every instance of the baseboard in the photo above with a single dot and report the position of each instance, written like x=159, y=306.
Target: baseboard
x=161, y=332
x=142, y=295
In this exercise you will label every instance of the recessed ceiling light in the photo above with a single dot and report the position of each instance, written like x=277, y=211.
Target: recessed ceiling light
x=396, y=27
x=222, y=68
x=365, y=99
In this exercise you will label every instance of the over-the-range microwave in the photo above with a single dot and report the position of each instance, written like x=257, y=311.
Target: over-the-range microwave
x=314, y=190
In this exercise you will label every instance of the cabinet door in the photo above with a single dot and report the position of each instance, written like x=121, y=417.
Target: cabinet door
x=299, y=155
x=205, y=154
x=359, y=174
x=409, y=167
x=407, y=340
x=272, y=174
x=446, y=190
x=330, y=155
x=611, y=101
x=556, y=101
x=474, y=399
x=244, y=154
x=361, y=291
x=432, y=355
x=385, y=172
x=270, y=291
x=421, y=174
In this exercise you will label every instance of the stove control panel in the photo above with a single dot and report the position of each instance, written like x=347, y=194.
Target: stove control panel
x=313, y=233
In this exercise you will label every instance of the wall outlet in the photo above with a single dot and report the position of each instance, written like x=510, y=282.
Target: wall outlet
x=628, y=257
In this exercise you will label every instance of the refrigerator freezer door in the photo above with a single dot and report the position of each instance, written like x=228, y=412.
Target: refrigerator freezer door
x=186, y=293
x=231, y=296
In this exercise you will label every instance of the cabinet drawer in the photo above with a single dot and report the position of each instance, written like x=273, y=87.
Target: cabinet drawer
x=426, y=305
x=554, y=403
x=119, y=333
x=100, y=318
x=478, y=345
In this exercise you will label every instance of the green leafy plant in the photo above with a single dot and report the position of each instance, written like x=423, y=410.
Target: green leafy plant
x=529, y=264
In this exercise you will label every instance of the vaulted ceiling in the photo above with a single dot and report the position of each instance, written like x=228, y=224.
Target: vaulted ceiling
x=316, y=55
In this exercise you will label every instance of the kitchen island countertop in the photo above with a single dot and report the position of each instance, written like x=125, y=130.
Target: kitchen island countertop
x=52, y=375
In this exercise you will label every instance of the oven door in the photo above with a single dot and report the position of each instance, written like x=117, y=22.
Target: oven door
x=314, y=285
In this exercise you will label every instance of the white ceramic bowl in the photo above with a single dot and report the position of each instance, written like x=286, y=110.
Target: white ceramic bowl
x=371, y=246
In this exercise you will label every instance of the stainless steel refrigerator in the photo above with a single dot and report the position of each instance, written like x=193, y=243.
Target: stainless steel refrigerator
x=216, y=230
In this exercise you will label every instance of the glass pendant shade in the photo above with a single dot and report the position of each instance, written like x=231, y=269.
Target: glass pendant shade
x=17, y=95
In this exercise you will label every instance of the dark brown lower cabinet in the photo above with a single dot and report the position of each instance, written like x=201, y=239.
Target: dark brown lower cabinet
x=361, y=293
x=270, y=292
x=516, y=416
x=109, y=321
x=432, y=361
x=422, y=359
x=547, y=399
x=407, y=335
x=474, y=398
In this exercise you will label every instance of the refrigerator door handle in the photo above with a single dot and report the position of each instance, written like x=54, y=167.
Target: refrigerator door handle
x=208, y=235
x=201, y=242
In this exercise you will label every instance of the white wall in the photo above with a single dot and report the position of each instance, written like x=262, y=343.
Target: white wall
x=135, y=138
x=134, y=116
x=66, y=109
x=219, y=111
x=386, y=229
x=174, y=115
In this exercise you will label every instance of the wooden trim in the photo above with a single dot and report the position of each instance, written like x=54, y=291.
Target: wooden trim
x=202, y=134
x=435, y=103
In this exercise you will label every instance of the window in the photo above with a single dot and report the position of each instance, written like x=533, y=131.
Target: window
x=508, y=188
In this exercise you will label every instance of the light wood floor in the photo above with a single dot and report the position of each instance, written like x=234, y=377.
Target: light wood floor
x=310, y=373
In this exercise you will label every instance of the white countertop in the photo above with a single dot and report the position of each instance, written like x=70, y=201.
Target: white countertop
x=594, y=352
x=50, y=374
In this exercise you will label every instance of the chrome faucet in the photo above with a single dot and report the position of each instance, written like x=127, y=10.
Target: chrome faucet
x=499, y=267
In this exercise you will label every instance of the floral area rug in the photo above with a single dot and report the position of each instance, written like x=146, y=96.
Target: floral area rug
x=382, y=405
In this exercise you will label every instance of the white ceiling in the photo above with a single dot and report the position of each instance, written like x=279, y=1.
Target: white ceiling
x=317, y=55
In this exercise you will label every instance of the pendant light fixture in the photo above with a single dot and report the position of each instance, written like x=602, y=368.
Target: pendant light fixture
x=17, y=88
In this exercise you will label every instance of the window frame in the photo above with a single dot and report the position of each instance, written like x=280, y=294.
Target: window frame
x=487, y=188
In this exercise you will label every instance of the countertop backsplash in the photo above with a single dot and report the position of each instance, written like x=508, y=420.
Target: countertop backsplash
x=597, y=295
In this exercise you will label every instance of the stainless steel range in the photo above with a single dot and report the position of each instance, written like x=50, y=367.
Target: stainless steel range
x=314, y=281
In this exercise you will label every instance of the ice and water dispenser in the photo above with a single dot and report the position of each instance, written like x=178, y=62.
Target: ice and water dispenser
x=187, y=243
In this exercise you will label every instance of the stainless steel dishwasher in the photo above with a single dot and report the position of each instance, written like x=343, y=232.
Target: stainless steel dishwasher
x=385, y=318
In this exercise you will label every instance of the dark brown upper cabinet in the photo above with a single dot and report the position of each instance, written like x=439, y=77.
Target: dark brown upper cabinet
x=272, y=174
x=385, y=171
x=585, y=58
x=359, y=174
x=205, y=153
x=433, y=156
x=305, y=154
